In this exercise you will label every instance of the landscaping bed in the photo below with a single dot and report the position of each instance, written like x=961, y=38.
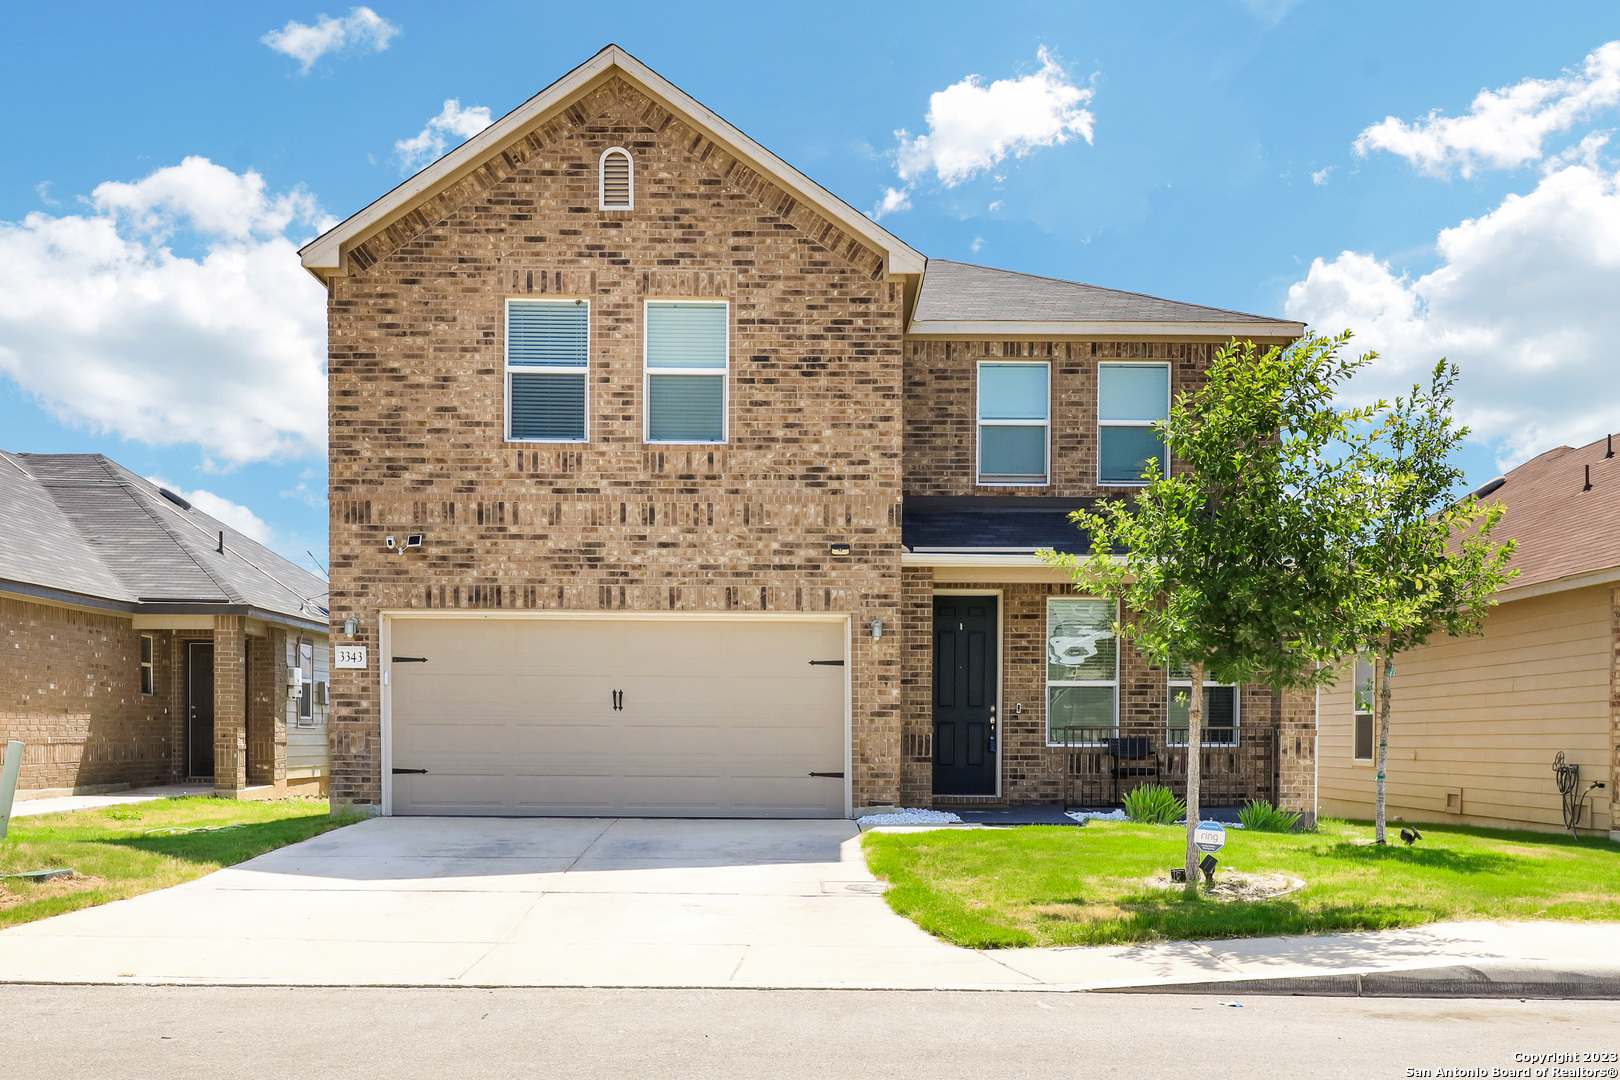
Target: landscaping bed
x=989, y=888
x=122, y=851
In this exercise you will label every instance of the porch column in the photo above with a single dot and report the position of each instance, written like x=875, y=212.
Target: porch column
x=230, y=704
x=1296, y=755
x=267, y=707
x=916, y=632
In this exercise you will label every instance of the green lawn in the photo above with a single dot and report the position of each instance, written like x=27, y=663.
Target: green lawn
x=121, y=852
x=989, y=888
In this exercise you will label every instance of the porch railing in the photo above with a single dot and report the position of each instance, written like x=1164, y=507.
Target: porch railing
x=1100, y=767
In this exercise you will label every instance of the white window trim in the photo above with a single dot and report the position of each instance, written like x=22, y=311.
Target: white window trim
x=544, y=369
x=979, y=424
x=1174, y=684
x=601, y=177
x=647, y=374
x=306, y=687
x=1169, y=377
x=1046, y=704
x=149, y=667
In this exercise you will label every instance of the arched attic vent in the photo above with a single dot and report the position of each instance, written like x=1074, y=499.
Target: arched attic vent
x=616, y=180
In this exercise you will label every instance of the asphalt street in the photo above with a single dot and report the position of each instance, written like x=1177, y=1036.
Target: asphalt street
x=311, y=1033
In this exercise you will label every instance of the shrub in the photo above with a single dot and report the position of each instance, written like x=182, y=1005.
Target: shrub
x=1261, y=816
x=1154, y=804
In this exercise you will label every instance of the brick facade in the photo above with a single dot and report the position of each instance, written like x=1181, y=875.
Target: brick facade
x=417, y=428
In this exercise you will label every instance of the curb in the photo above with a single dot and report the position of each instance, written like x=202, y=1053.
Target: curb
x=1456, y=981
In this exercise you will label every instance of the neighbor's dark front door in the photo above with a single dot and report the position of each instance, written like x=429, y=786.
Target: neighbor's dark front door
x=200, y=708
x=965, y=670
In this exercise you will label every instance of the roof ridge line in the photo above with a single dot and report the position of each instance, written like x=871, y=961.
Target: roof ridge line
x=231, y=593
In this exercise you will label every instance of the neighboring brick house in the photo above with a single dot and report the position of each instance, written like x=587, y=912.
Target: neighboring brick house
x=144, y=642
x=658, y=475
x=1476, y=723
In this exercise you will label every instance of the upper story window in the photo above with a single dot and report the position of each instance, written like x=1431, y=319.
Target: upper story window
x=687, y=350
x=1131, y=397
x=616, y=180
x=1221, y=703
x=148, y=681
x=1362, y=737
x=1015, y=419
x=547, y=360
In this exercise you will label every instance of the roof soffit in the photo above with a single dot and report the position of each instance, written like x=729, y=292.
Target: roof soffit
x=498, y=147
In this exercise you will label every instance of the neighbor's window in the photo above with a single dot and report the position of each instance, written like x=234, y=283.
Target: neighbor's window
x=616, y=180
x=1015, y=416
x=547, y=360
x=1220, y=711
x=148, y=681
x=687, y=346
x=1082, y=671
x=306, y=683
x=1363, y=748
x=1131, y=398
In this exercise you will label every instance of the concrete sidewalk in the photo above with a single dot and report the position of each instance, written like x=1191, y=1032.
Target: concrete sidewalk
x=647, y=903
x=58, y=803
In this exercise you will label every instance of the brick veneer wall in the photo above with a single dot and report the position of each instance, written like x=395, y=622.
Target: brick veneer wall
x=70, y=689
x=230, y=703
x=815, y=440
x=941, y=422
x=267, y=707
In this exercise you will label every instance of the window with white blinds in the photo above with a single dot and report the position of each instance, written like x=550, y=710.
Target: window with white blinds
x=616, y=181
x=687, y=346
x=547, y=361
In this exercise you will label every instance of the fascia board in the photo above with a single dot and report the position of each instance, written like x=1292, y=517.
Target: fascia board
x=1000, y=329
x=323, y=256
x=1607, y=576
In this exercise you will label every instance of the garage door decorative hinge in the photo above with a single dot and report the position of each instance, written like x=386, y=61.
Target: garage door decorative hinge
x=417, y=772
x=826, y=663
x=410, y=659
x=834, y=775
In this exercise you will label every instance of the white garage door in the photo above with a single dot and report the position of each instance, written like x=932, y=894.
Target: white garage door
x=652, y=717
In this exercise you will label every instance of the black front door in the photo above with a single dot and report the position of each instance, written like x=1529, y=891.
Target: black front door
x=965, y=670
x=200, y=708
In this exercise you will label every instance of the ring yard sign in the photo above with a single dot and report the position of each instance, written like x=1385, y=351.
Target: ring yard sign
x=1209, y=837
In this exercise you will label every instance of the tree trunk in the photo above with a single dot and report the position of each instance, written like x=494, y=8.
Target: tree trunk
x=1387, y=663
x=1195, y=749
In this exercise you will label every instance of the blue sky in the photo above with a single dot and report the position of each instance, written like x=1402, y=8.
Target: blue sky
x=150, y=307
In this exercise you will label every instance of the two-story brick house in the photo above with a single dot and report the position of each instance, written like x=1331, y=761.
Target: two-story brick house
x=666, y=483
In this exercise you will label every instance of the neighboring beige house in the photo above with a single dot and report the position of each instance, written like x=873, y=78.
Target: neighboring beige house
x=664, y=482
x=1477, y=722
x=144, y=642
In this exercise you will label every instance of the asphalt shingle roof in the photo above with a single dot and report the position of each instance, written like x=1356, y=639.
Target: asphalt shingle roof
x=963, y=292
x=992, y=526
x=82, y=523
x=1562, y=529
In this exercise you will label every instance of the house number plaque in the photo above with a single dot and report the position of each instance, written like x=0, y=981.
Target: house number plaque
x=349, y=656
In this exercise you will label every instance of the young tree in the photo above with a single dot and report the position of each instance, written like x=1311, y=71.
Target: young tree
x=1428, y=559
x=1240, y=563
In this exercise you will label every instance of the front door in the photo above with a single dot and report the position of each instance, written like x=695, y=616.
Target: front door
x=200, y=708
x=965, y=669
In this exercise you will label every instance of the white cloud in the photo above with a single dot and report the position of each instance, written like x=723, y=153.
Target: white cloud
x=894, y=199
x=972, y=127
x=1506, y=127
x=234, y=514
x=452, y=122
x=108, y=327
x=360, y=30
x=1523, y=300
x=1321, y=176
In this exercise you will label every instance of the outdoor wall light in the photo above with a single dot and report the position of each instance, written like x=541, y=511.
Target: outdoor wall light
x=877, y=629
x=840, y=549
x=351, y=625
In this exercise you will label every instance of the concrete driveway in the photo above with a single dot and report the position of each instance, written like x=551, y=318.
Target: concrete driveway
x=642, y=903
x=516, y=902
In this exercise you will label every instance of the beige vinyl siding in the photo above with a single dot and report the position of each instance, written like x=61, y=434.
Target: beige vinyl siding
x=306, y=746
x=1486, y=715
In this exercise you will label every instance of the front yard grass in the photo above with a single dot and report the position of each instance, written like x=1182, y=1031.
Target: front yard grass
x=1054, y=885
x=119, y=851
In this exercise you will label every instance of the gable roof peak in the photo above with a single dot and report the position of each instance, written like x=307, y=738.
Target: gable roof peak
x=326, y=256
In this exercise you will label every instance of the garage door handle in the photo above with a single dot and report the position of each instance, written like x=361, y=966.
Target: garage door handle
x=826, y=663
x=418, y=772
x=834, y=775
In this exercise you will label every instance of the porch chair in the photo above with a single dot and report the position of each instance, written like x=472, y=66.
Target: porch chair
x=1131, y=757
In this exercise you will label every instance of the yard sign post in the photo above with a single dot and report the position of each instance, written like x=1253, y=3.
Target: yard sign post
x=8, y=783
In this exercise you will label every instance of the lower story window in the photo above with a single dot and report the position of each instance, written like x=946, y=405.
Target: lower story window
x=148, y=682
x=1363, y=735
x=1082, y=672
x=1220, y=711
